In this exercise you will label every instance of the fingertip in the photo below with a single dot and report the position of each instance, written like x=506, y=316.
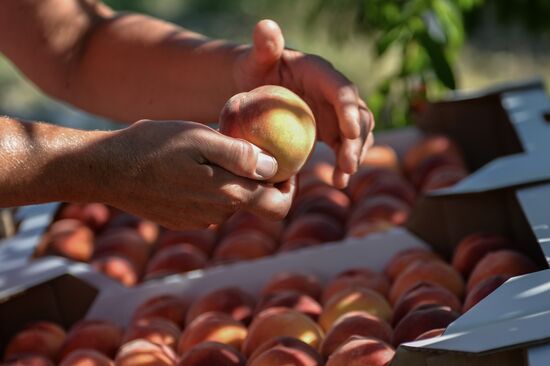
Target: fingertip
x=340, y=179
x=268, y=41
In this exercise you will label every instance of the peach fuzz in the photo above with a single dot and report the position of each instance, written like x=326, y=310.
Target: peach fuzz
x=142, y=352
x=212, y=327
x=178, y=258
x=212, y=354
x=361, y=351
x=424, y=294
x=41, y=338
x=202, y=239
x=245, y=245
x=357, y=323
x=276, y=120
x=99, y=335
x=313, y=227
x=376, y=282
x=277, y=322
x=118, y=268
x=482, y=290
x=157, y=330
x=229, y=300
x=502, y=262
x=292, y=300
x=401, y=260
x=350, y=300
x=168, y=307
x=86, y=357
x=294, y=281
x=474, y=247
x=422, y=320
x=124, y=242
x=288, y=343
x=430, y=271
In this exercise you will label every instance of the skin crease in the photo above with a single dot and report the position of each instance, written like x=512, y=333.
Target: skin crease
x=128, y=67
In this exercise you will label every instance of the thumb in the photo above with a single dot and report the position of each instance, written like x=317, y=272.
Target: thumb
x=268, y=43
x=239, y=157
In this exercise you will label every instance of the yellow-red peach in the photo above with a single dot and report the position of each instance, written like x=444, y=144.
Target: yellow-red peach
x=212, y=354
x=277, y=322
x=244, y=220
x=124, y=242
x=346, y=301
x=314, y=226
x=276, y=120
x=472, y=248
x=157, y=330
x=142, y=352
x=147, y=229
x=381, y=156
x=167, y=307
x=100, y=335
x=117, y=268
x=71, y=239
x=287, y=342
x=401, y=260
x=376, y=282
x=361, y=351
x=501, y=262
x=245, y=245
x=202, y=239
x=282, y=355
x=384, y=208
x=41, y=338
x=429, y=147
x=293, y=300
x=324, y=200
x=229, y=300
x=294, y=281
x=482, y=290
x=366, y=177
x=356, y=323
x=212, y=327
x=86, y=357
x=430, y=271
x=174, y=259
x=363, y=229
x=29, y=360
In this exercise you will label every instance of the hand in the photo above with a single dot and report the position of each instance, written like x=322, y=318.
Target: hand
x=343, y=120
x=186, y=175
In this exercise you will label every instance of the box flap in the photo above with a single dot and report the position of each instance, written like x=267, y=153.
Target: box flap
x=537, y=214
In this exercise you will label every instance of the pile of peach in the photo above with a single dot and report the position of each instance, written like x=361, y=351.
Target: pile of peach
x=356, y=318
x=381, y=195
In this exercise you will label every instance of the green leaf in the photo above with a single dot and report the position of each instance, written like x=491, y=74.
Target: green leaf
x=438, y=59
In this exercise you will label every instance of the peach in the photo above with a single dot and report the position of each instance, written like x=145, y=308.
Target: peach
x=282, y=355
x=314, y=226
x=157, y=330
x=148, y=230
x=324, y=200
x=276, y=322
x=381, y=156
x=482, y=290
x=501, y=262
x=175, y=259
x=168, y=307
x=356, y=272
x=428, y=147
x=361, y=351
x=142, y=352
x=86, y=357
x=297, y=244
x=212, y=354
x=310, y=180
x=213, y=327
x=420, y=176
x=358, y=323
x=41, y=338
x=202, y=239
x=293, y=300
x=380, y=208
x=246, y=245
x=430, y=271
x=346, y=301
x=230, y=300
x=94, y=215
x=29, y=360
x=367, y=177
x=374, y=282
x=243, y=220
x=423, y=295
x=363, y=229
x=294, y=281
x=118, y=268
x=472, y=248
x=395, y=187
x=432, y=333
x=100, y=335
x=443, y=177
x=70, y=239
x=421, y=320
x=276, y=120
x=401, y=260
x=288, y=343
x=124, y=242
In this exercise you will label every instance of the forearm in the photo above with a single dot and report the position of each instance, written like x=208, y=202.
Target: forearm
x=43, y=163
x=125, y=66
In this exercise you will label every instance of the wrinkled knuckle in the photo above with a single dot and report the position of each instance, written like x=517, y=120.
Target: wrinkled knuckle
x=243, y=156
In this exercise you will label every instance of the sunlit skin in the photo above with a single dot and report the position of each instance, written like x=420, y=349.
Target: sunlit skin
x=130, y=67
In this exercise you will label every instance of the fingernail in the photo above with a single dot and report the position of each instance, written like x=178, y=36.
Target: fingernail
x=266, y=167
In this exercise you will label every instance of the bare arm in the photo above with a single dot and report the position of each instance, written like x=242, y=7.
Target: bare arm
x=123, y=66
